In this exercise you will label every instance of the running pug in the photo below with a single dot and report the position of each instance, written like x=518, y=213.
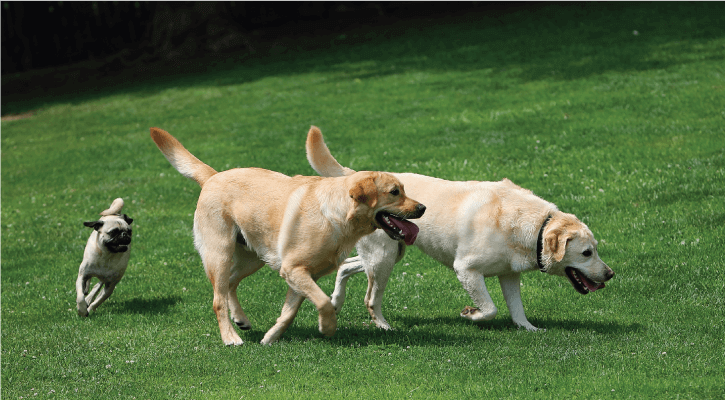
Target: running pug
x=105, y=257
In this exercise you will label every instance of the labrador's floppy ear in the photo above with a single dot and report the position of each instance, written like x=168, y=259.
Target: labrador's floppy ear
x=365, y=192
x=94, y=224
x=556, y=242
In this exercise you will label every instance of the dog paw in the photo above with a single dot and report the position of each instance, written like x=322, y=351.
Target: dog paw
x=269, y=338
x=468, y=310
x=531, y=328
x=328, y=326
x=384, y=325
x=237, y=341
x=476, y=314
x=82, y=311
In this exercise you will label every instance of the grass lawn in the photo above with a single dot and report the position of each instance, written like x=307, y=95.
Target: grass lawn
x=613, y=111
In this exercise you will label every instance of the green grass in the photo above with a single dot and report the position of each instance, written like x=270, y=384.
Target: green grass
x=626, y=131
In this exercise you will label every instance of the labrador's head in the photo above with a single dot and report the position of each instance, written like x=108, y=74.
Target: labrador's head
x=379, y=198
x=569, y=249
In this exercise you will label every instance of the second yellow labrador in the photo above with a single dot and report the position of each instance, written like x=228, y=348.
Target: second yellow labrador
x=301, y=226
x=479, y=229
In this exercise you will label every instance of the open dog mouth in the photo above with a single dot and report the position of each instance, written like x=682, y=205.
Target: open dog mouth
x=397, y=228
x=581, y=283
x=120, y=243
x=119, y=248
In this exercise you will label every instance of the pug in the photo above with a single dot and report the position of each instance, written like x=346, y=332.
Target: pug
x=105, y=257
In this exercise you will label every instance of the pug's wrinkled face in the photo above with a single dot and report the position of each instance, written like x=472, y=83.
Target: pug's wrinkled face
x=114, y=232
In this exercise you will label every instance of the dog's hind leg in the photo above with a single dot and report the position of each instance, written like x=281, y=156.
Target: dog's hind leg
x=349, y=267
x=511, y=288
x=90, y=296
x=106, y=293
x=291, y=305
x=299, y=280
x=245, y=264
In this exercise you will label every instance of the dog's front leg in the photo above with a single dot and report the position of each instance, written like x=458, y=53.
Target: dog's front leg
x=350, y=267
x=291, y=305
x=81, y=286
x=379, y=255
x=473, y=282
x=299, y=279
x=511, y=288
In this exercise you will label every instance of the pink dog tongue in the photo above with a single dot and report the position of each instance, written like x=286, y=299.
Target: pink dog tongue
x=589, y=284
x=410, y=230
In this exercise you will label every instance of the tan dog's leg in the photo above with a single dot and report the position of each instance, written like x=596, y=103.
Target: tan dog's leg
x=218, y=266
x=245, y=264
x=291, y=305
x=215, y=243
x=215, y=240
x=300, y=280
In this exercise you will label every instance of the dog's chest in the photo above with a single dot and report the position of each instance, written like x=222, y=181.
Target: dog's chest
x=107, y=264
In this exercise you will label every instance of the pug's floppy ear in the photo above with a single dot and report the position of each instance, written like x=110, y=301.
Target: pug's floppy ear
x=556, y=242
x=365, y=192
x=97, y=225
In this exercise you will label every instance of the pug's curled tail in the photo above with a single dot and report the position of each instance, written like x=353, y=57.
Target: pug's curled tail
x=115, y=207
x=320, y=158
x=180, y=158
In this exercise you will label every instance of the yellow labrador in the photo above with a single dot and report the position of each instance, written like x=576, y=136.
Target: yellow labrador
x=479, y=229
x=303, y=227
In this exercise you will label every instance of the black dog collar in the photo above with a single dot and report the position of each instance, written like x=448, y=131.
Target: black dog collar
x=540, y=244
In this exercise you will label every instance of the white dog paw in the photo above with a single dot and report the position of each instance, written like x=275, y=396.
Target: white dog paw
x=233, y=342
x=382, y=324
x=530, y=327
x=476, y=314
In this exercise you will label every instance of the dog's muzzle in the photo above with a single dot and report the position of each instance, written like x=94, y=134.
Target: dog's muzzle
x=119, y=243
x=397, y=227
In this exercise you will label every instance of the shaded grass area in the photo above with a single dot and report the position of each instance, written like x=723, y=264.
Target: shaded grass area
x=623, y=130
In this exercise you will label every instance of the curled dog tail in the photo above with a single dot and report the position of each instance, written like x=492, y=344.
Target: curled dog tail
x=180, y=158
x=320, y=158
x=115, y=207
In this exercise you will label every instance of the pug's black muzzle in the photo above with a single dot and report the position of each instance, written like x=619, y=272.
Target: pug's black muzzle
x=120, y=242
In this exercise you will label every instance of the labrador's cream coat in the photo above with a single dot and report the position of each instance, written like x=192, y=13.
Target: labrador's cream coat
x=303, y=227
x=479, y=229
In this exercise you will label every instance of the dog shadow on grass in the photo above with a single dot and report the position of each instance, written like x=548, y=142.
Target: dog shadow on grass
x=434, y=330
x=157, y=305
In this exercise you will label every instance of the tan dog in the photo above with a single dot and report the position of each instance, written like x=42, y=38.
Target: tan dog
x=303, y=227
x=479, y=229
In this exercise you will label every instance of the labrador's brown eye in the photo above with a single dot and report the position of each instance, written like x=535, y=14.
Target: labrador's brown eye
x=587, y=253
x=395, y=192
